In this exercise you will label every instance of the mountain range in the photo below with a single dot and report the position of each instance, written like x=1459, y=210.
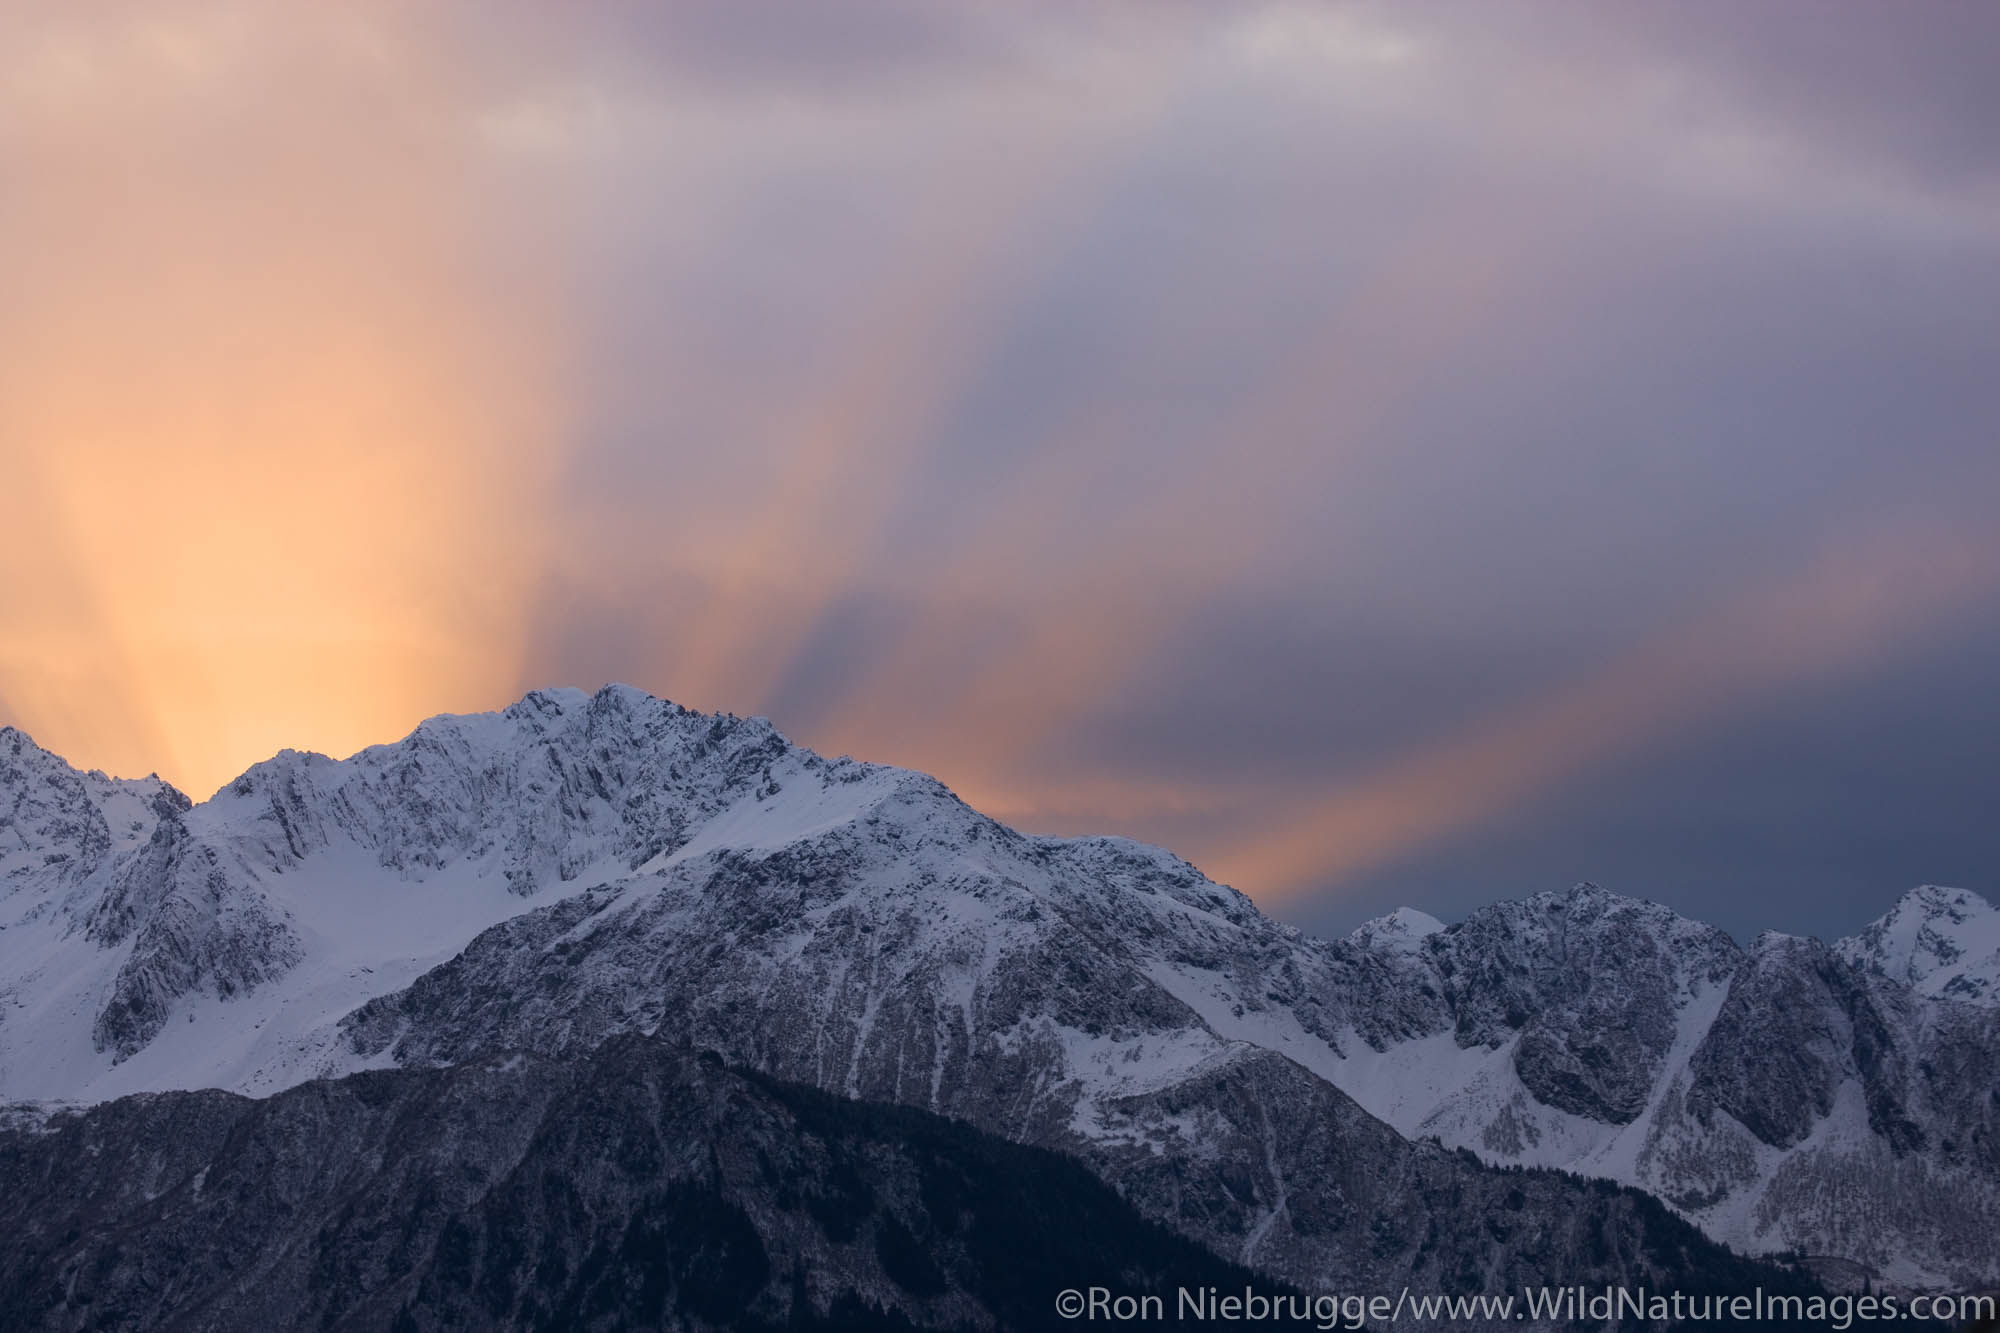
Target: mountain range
x=612, y=878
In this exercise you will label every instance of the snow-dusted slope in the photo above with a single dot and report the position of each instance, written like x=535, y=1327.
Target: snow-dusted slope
x=59, y=826
x=579, y=866
x=146, y=943
x=1939, y=941
x=1778, y=1096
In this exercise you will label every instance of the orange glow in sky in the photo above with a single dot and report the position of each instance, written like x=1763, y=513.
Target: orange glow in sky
x=267, y=440
x=363, y=362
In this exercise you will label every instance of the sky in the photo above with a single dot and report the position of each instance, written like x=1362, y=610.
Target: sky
x=1387, y=454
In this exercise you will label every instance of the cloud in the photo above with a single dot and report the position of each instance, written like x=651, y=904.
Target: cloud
x=274, y=399
x=1307, y=435
x=1855, y=603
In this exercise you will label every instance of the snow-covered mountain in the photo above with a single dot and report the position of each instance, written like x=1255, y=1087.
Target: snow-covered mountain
x=60, y=826
x=308, y=886
x=582, y=866
x=1779, y=1096
x=1939, y=941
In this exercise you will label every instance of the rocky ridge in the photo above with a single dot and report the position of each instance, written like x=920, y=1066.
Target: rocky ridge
x=580, y=867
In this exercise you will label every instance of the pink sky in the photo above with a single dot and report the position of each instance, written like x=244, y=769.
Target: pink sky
x=1303, y=435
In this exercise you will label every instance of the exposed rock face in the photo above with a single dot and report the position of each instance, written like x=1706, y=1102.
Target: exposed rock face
x=58, y=827
x=1585, y=986
x=146, y=905
x=581, y=867
x=1777, y=1096
x=559, y=786
x=1796, y=1026
x=187, y=924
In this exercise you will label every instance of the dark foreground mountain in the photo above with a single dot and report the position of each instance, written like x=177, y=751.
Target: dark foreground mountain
x=641, y=1187
x=646, y=1186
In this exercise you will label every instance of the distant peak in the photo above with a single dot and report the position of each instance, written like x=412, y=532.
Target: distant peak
x=20, y=747
x=1590, y=891
x=1941, y=940
x=618, y=692
x=1933, y=906
x=1585, y=894
x=17, y=740
x=556, y=699
x=562, y=700
x=1403, y=929
x=1936, y=898
x=1413, y=921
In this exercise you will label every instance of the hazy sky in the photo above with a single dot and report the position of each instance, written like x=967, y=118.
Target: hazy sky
x=1416, y=453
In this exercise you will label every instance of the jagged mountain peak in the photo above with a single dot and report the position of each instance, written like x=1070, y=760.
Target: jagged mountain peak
x=18, y=750
x=1581, y=901
x=558, y=715
x=15, y=742
x=1555, y=924
x=1941, y=941
x=549, y=787
x=576, y=865
x=59, y=825
x=1942, y=897
x=310, y=876
x=1585, y=986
